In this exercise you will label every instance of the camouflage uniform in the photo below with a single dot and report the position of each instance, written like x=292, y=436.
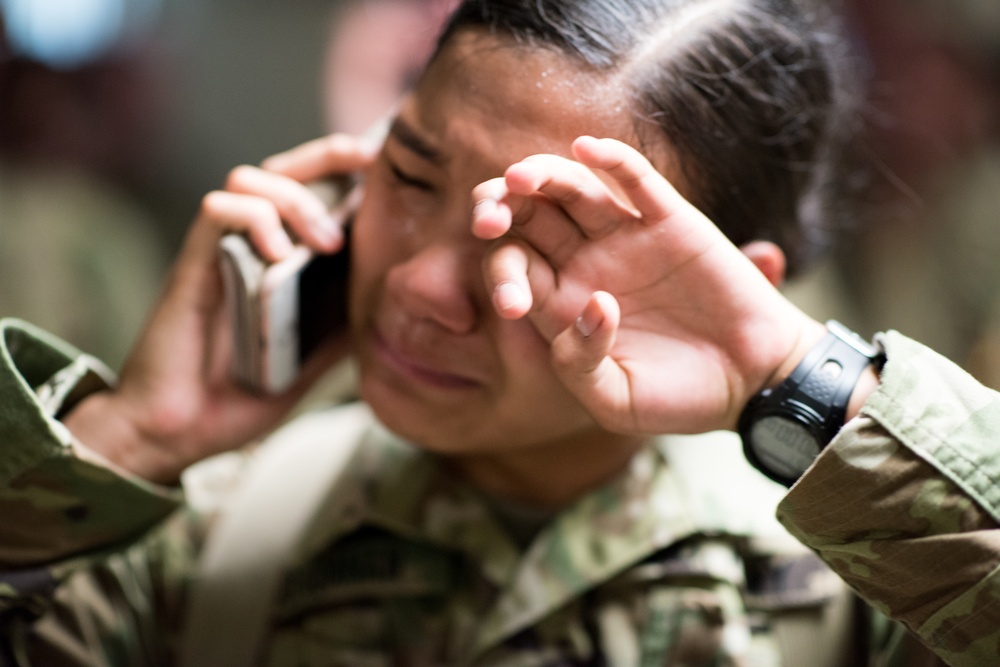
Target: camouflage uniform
x=904, y=503
x=409, y=566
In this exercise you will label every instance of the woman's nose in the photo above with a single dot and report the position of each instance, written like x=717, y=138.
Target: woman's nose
x=440, y=283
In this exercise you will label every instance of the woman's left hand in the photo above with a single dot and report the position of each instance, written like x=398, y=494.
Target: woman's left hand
x=658, y=323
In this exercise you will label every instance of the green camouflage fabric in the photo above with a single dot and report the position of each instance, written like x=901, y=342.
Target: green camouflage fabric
x=904, y=504
x=678, y=561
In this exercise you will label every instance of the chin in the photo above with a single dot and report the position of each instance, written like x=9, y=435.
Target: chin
x=421, y=426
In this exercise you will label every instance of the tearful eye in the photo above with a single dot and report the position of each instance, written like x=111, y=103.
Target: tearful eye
x=410, y=181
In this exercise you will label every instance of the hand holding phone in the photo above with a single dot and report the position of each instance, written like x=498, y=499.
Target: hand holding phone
x=280, y=312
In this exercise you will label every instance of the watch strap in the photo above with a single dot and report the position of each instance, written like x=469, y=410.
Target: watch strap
x=825, y=379
x=814, y=396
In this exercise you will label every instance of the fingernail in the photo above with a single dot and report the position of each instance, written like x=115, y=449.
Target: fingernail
x=588, y=322
x=507, y=296
x=328, y=229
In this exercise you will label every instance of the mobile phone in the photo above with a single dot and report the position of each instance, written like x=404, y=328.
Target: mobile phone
x=281, y=312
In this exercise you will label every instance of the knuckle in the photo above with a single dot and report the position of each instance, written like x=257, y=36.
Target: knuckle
x=571, y=195
x=300, y=213
x=524, y=214
x=261, y=213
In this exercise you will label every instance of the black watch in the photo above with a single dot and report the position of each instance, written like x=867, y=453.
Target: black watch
x=785, y=428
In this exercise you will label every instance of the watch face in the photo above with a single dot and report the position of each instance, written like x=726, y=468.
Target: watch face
x=783, y=446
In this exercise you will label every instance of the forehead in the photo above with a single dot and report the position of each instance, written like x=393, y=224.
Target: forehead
x=535, y=96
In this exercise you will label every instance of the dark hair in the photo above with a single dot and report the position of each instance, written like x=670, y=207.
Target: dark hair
x=745, y=92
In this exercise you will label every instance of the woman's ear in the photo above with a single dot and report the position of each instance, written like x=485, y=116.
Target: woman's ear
x=769, y=260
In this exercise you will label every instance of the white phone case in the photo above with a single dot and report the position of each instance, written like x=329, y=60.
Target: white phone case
x=263, y=303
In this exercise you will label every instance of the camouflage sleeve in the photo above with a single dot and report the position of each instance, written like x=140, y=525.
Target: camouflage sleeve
x=57, y=499
x=904, y=504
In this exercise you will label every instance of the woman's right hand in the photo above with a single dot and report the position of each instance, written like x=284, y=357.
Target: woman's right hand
x=176, y=403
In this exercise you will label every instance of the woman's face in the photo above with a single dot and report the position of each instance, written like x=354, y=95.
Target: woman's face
x=437, y=364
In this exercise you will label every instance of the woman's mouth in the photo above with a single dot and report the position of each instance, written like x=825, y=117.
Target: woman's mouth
x=419, y=368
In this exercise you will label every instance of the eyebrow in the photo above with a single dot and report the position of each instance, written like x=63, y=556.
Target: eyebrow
x=407, y=136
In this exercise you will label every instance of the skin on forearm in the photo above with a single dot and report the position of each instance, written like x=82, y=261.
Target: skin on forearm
x=867, y=383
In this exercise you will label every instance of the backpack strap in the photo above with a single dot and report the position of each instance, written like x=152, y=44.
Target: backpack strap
x=811, y=615
x=254, y=539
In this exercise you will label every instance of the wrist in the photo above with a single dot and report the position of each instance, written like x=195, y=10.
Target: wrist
x=786, y=426
x=867, y=383
x=100, y=424
x=811, y=333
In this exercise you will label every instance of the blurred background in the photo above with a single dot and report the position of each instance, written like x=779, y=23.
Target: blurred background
x=117, y=116
x=162, y=97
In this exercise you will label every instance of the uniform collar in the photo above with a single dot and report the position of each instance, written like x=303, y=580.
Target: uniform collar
x=650, y=506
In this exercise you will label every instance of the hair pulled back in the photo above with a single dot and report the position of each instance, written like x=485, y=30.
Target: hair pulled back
x=745, y=92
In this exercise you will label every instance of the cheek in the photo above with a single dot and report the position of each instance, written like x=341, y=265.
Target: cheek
x=385, y=230
x=528, y=368
x=522, y=346
x=372, y=255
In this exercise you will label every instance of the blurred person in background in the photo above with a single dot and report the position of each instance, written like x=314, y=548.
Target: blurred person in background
x=923, y=256
x=77, y=251
x=377, y=49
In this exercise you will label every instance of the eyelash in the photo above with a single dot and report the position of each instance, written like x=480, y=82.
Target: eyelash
x=407, y=180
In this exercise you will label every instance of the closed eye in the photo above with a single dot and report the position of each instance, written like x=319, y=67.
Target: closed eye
x=408, y=180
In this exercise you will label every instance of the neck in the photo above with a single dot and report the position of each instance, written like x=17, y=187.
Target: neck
x=550, y=477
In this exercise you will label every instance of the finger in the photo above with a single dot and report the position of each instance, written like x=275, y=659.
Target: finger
x=580, y=355
x=582, y=348
x=223, y=212
x=588, y=201
x=491, y=212
x=219, y=337
x=653, y=196
x=320, y=158
x=547, y=229
x=535, y=219
x=505, y=271
x=305, y=212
